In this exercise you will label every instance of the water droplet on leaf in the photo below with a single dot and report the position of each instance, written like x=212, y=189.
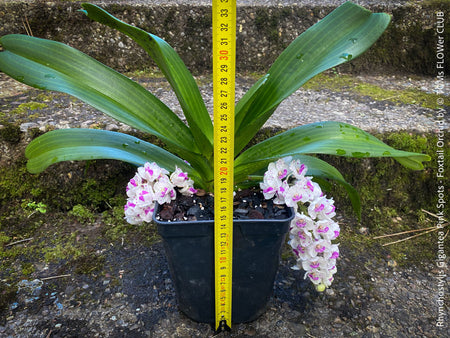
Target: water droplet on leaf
x=346, y=56
x=353, y=40
x=125, y=145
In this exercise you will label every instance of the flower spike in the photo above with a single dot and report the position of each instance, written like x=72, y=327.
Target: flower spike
x=311, y=234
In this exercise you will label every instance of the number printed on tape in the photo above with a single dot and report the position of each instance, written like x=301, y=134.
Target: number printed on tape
x=224, y=58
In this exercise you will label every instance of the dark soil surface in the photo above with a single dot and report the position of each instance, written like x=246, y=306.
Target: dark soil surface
x=248, y=204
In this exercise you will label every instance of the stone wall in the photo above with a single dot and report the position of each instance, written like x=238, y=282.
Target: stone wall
x=408, y=46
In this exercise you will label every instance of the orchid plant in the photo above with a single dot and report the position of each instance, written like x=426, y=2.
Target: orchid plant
x=285, y=182
x=343, y=35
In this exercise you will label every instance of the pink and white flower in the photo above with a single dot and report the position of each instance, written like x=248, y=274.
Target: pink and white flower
x=310, y=235
x=152, y=184
x=164, y=190
x=322, y=208
x=151, y=172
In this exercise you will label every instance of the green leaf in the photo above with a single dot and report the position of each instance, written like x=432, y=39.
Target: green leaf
x=333, y=138
x=173, y=69
x=51, y=65
x=247, y=100
x=87, y=144
x=342, y=35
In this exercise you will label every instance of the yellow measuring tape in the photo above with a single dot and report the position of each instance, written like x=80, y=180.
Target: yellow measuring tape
x=224, y=64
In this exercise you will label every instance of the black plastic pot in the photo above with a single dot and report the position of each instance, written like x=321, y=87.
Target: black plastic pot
x=189, y=249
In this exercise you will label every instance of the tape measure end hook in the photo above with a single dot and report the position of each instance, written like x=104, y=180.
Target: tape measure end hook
x=223, y=327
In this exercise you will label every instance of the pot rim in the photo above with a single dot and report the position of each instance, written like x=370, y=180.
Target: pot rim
x=291, y=214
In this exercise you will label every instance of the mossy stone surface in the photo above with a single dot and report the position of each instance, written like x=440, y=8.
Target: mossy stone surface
x=264, y=31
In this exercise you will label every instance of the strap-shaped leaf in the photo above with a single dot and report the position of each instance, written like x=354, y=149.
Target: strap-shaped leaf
x=333, y=138
x=55, y=66
x=87, y=144
x=246, y=101
x=173, y=69
x=316, y=168
x=344, y=34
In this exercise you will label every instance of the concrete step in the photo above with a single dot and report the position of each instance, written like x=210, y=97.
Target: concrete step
x=265, y=28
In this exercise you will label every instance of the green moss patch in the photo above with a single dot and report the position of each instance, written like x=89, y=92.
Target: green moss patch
x=28, y=106
x=10, y=133
x=348, y=83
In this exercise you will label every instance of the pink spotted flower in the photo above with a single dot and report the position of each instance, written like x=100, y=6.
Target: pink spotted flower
x=311, y=234
x=152, y=184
